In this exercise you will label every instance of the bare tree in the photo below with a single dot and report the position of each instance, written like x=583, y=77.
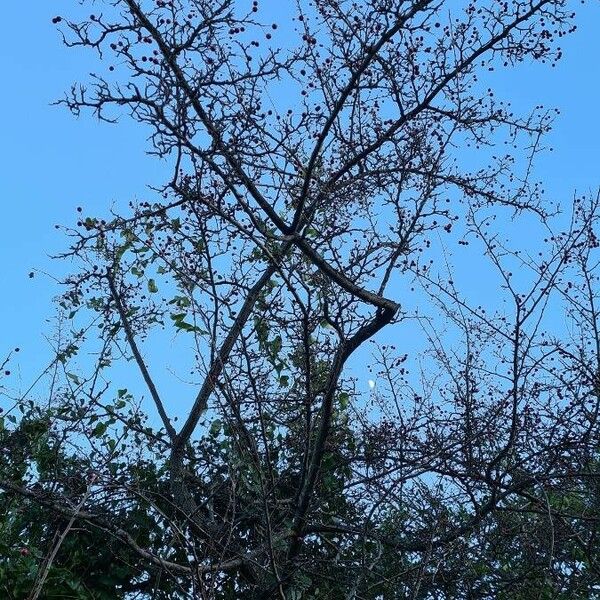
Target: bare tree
x=324, y=170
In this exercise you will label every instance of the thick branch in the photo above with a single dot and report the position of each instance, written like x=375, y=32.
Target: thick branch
x=138, y=357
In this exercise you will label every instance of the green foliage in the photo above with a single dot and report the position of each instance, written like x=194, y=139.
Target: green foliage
x=91, y=563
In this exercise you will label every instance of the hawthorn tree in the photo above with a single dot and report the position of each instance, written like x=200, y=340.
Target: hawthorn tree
x=327, y=168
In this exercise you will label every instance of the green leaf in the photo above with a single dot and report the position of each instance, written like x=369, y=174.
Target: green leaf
x=276, y=345
x=74, y=378
x=215, y=427
x=152, y=287
x=99, y=430
x=344, y=398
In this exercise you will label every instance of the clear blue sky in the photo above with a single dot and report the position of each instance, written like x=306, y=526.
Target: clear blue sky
x=51, y=163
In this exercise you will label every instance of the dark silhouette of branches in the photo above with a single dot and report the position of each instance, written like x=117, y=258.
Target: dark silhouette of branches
x=327, y=171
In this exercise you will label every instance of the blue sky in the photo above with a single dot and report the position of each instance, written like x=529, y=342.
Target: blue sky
x=51, y=163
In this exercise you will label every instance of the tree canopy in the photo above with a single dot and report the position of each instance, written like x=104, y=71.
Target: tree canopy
x=345, y=185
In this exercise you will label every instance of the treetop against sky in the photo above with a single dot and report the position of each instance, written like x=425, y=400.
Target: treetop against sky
x=52, y=163
x=335, y=334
